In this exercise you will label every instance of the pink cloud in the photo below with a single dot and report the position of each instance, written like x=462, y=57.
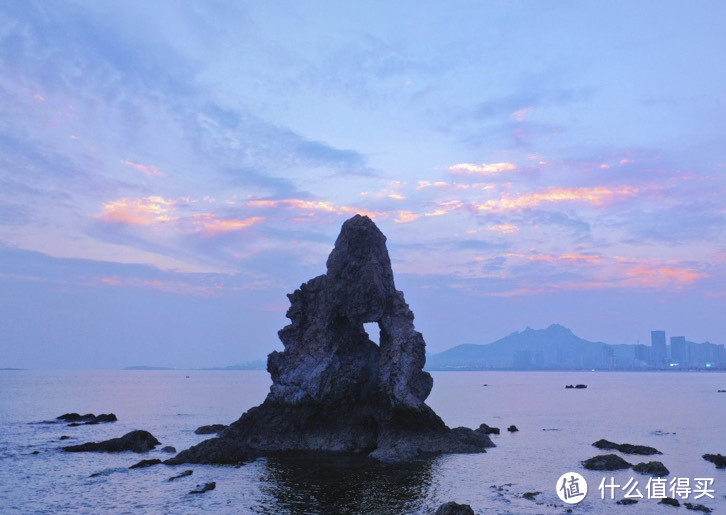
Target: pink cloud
x=144, y=211
x=598, y=195
x=145, y=169
x=211, y=225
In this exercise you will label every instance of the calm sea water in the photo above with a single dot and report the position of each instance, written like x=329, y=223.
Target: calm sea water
x=681, y=414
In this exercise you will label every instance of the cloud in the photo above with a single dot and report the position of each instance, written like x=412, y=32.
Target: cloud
x=149, y=170
x=144, y=211
x=503, y=228
x=482, y=169
x=597, y=196
x=211, y=225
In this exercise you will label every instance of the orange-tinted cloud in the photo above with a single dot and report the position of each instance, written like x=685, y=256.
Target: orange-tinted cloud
x=145, y=169
x=482, y=169
x=314, y=206
x=599, y=195
x=581, y=258
x=503, y=228
x=210, y=225
x=144, y=211
x=663, y=276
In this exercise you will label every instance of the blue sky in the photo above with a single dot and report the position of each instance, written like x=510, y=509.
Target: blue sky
x=169, y=171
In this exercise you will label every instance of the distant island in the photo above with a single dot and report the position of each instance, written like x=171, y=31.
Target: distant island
x=558, y=348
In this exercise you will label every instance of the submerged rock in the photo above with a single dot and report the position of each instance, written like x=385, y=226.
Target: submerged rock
x=333, y=389
x=206, y=488
x=88, y=419
x=452, y=508
x=136, y=441
x=181, y=475
x=606, y=462
x=626, y=448
x=716, y=459
x=654, y=468
x=145, y=463
x=627, y=501
x=211, y=429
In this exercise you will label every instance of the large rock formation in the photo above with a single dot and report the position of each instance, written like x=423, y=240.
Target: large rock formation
x=333, y=388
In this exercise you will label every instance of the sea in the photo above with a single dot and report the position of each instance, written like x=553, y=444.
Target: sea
x=681, y=414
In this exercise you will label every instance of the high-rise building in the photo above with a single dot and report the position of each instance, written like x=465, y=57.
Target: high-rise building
x=680, y=351
x=658, y=348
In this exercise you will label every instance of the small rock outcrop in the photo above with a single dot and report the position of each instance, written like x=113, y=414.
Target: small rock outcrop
x=512, y=429
x=169, y=448
x=205, y=488
x=488, y=430
x=697, y=507
x=211, y=429
x=88, y=419
x=145, y=463
x=716, y=459
x=452, y=508
x=670, y=501
x=627, y=501
x=181, y=475
x=136, y=441
x=654, y=468
x=606, y=462
x=626, y=448
x=333, y=389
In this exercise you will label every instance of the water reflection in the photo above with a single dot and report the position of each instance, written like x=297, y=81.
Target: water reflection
x=307, y=484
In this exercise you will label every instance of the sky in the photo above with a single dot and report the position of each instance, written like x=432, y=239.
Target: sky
x=169, y=171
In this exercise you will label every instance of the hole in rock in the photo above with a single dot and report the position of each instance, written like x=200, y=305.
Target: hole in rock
x=374, y=332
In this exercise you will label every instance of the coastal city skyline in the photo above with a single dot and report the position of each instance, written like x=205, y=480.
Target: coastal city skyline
x=170, y=172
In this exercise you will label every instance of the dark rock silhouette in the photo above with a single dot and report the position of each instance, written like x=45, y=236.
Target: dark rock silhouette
x=206, y=488
x=606, y=462
x=654, y=468
x=627, y=501
x=145, y=463
x=333, y=389
x=452, y=508
x=530, y=496
x=168, y=448
x=577, y=387
x=488, y=430
x=626, y=448
x=716, y=459
x=512, y=429
x=697, y=507
x=181, y=475
x=670, y=501
x=212, y=429
x=136, y=441
x=88, y=419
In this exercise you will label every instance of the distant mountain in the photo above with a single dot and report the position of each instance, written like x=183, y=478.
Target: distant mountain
x=555, y=348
